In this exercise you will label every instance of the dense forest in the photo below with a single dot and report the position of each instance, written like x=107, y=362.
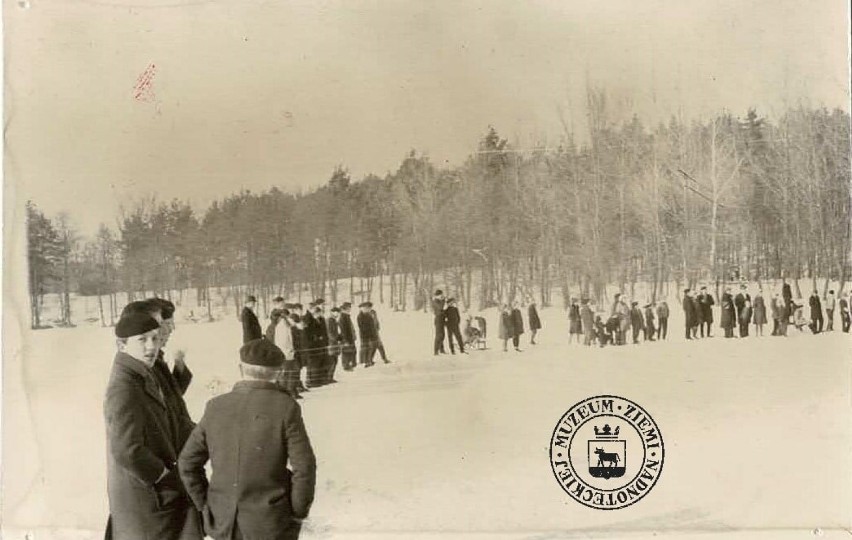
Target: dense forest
x=725, y=198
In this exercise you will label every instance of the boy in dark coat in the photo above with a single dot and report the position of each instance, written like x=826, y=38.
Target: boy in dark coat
x=705, y=305
x=739, y=304
x=816, y=313
x=534, y=320
x=728, y=314
x=663, y=319
x=636, y=321
x=249, y=435
x=649, y=322
x=688, y=313
x=517, y=326
x=145, y=434
x=347, y=337
x=438, y=305
x=452, y=319
x=367, y=334
x=251, y=326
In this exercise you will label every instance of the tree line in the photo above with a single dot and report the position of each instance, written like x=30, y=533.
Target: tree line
x=683, y=201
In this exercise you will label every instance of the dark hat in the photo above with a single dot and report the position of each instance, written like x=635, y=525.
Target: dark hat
x=134, y=324
x=139, y=306
x=251, y=299
x=298, y=306
x=364, y=304
x=346, y=305
x=584, y=301
x=368, y=304
x=278, y=299
x=165, y=307
x=703, y=288
x=319, y=302
x=439, y=292
x=451, y=300
x=634, y=303
x=335, y=310
x=686, y=290
x=261, y=352
x=648, y=305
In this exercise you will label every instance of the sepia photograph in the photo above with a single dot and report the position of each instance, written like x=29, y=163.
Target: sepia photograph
x=444, y=269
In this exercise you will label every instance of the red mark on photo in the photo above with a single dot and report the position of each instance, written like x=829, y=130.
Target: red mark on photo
x=143, y=90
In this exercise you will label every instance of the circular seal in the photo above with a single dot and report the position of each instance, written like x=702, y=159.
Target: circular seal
x=606, y=452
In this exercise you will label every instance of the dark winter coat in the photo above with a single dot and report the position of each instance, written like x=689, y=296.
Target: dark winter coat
x=250, y=434
x=649, y=318
x=636, y=319
x=575, y=324
x=367, y=327
x=786, y=292
x=689, y=311
x=438, y=309
x=662, y=311
x=298, y=338
x=759, y=310
x=816, y=306
x=452, y=318
x=517, y=322
x=739, y=302
x=533, y=318
x=144, y=437
x=706, y=303
x=251, y=326
x=347, y=333
x=333, y=327
x=745, y=315
x=314, y=336
x=729, y=315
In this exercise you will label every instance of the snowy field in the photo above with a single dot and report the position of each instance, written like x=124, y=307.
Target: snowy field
x=757, y=433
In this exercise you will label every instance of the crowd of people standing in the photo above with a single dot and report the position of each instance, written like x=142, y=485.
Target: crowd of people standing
x=314, y=343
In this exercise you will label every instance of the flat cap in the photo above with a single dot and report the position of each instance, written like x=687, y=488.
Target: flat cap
x=261, y=352
x=135, y=324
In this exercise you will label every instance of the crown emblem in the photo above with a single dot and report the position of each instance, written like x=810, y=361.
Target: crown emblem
x=606, y=432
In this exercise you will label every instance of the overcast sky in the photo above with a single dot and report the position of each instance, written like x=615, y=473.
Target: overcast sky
x=254, y=94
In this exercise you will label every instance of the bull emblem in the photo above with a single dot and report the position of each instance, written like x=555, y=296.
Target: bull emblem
x=606, y=457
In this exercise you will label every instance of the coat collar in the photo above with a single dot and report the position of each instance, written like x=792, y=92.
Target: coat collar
x=128, y=363
x=262, y=385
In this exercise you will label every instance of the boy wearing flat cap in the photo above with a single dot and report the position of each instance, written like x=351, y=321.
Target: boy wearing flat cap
x=249, y=435
x=146, y=497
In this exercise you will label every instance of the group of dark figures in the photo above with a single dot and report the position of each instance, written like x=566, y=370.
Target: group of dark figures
x=742, y=310
x=448, y=325
x=254, y=437
x=651, y=320
x=313, y=342
x=621, y=322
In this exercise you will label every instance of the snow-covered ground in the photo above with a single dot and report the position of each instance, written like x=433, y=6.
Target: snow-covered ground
x=758, y=433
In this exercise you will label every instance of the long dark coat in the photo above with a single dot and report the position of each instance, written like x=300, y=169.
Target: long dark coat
x=759, y=310
x=706, y=303
x=251, y=326
x=689, y=311
x=452, y=318
x=729, y=316
x=816, y=306
x=347, y=333
x=517, y=322
x=334, y=342
x=739, y=302
x=533, y=318
x=367, y=327
x=575, y=324
x=144, y=437
x=249, y=435
x=636, y=319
